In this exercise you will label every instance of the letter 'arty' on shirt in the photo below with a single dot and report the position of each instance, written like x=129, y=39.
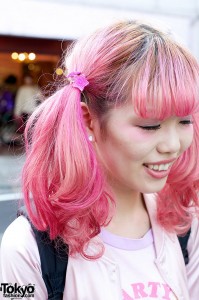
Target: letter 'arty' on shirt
x=135, y=258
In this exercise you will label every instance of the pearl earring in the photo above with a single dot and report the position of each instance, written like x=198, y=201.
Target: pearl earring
x=90, y=138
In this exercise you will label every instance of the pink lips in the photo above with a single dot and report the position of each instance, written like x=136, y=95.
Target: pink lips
x=159, y=174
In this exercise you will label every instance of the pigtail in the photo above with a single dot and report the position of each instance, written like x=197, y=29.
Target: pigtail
x=62, y=183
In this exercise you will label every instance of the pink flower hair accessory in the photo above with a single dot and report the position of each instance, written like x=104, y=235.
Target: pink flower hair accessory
x=78, y=80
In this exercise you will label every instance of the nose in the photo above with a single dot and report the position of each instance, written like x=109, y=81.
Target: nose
x=170, y=141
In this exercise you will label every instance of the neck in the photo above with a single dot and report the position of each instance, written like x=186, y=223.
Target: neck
x=131, y=217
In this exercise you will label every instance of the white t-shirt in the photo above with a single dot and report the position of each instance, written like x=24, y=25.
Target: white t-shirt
x=26, y=99
x=140, y=277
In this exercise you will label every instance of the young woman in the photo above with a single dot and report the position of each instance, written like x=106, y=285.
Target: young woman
x=112, y=168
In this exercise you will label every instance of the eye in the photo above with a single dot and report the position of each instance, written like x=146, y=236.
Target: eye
x=186, y=122
x=155, y=127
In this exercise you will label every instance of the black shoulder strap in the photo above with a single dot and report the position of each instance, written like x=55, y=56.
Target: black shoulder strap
x=183, y=240
x=54, y=260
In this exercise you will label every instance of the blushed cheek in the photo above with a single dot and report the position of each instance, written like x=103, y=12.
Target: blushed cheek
x=138, y=144
x=140, y=135
x=188, y=138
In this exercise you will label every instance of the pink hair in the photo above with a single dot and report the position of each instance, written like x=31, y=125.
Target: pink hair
x=61, y=172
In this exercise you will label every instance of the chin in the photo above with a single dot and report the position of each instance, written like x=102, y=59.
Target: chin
x=154, y=188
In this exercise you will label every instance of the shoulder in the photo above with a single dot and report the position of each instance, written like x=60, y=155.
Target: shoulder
x=20, y=260
x=193, y=242
x=19, y=232
x=19, y=245
x=192, y=266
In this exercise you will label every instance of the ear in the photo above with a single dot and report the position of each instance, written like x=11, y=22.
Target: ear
x=88, y=119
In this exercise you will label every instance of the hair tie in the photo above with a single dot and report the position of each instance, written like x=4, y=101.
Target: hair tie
x=78, y=80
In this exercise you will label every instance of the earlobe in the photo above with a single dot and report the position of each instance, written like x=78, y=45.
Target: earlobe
x=90, y=138
x=88, y=119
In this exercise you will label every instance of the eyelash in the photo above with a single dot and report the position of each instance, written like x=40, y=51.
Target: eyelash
x=186, y=122
x=150, y=127
x=156, y=127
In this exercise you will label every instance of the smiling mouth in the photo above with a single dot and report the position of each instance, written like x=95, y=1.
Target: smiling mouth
x=159, y=168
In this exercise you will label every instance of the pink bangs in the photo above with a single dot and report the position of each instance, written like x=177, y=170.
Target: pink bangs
x=166, y=83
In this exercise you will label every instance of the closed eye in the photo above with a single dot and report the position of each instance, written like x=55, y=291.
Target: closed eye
x=156, y=127
x=186, y=122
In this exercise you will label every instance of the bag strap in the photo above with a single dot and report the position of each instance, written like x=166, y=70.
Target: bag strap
x=183, y=240
x=54, y=260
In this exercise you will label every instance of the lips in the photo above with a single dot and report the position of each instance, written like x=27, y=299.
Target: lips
x=159, y=169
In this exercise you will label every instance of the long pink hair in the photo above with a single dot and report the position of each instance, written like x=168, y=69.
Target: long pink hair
x=64, y=187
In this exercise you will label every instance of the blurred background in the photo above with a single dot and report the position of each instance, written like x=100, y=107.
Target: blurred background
x=33, y=36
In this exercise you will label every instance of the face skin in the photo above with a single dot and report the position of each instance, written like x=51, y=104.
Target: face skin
x=134, y=145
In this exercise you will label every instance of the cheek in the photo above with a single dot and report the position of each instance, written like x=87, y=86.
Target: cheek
x=187, y=138
x=140, y=136
x=134, y=145
x=141, y=142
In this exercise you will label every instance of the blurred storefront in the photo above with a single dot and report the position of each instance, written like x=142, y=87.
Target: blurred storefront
x=27, y=55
